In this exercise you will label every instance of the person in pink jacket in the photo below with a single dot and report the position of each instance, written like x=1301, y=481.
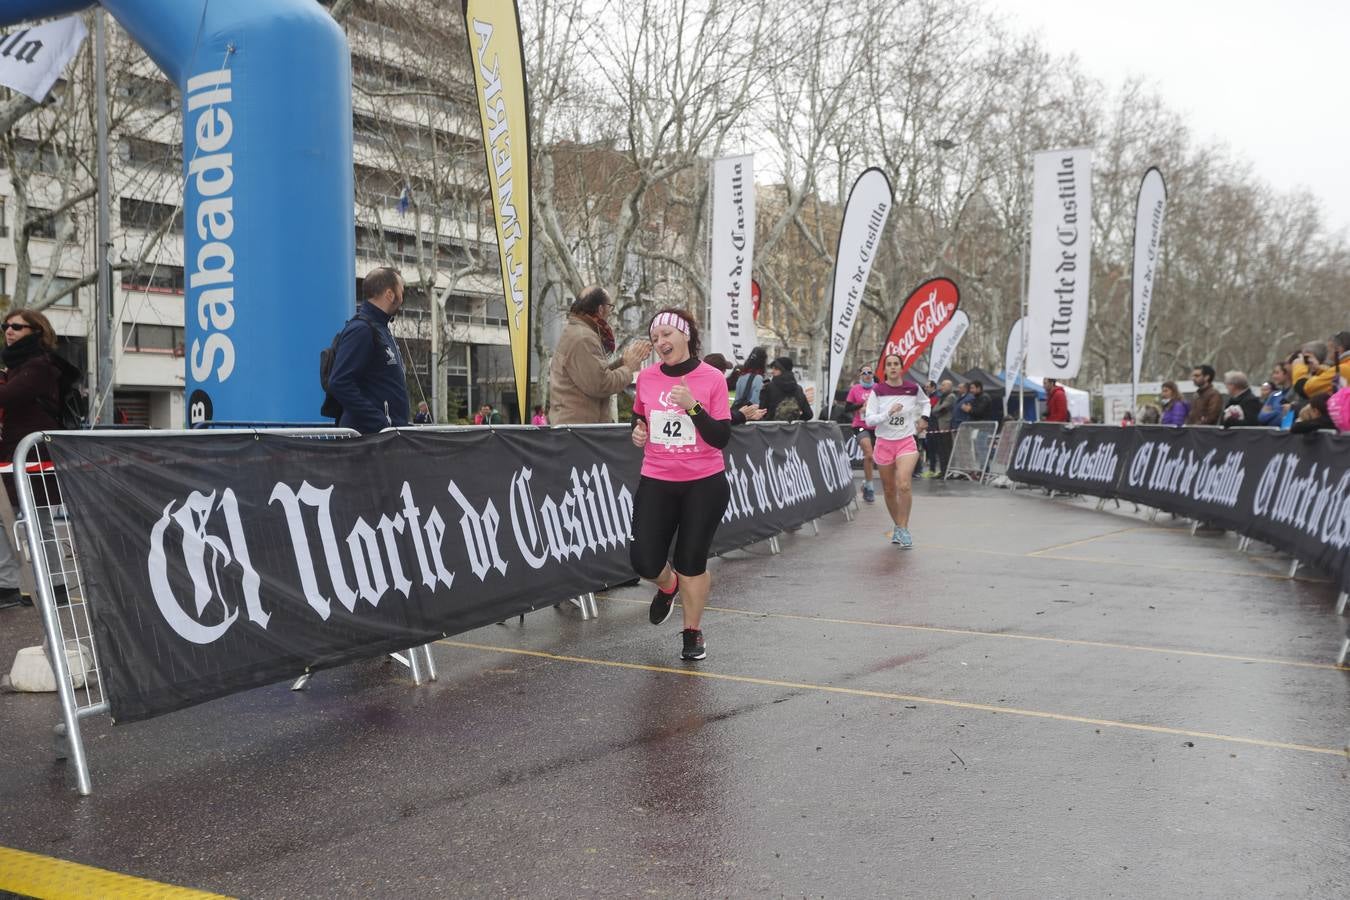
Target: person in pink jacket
x=864, y=434
x=682, y=422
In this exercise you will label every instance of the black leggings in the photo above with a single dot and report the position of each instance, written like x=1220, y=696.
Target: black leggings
x=693, y=508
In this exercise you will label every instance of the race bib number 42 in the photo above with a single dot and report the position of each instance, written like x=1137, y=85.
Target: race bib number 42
x=672, y=429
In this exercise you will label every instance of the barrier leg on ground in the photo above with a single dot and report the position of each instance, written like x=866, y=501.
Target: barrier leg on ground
x=67, y=628
x=1341, y=601
x=774, y=547
x=1345, y=651
x=1293, y=568
x=1001, y=453
x=409, y=661
x=415, y=664
x=580, y=604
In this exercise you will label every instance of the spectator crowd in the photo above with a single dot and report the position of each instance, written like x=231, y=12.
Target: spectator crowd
x=1308, y=390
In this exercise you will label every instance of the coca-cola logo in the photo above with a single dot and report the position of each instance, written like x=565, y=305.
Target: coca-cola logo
x=922, y=316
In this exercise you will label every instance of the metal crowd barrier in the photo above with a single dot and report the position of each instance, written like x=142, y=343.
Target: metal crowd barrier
x=971, y=449
x=1005, y=441
x=61, y=597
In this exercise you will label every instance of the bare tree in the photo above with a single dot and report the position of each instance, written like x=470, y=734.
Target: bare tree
x=810, y=120
x=49, y=152
x=670, y=82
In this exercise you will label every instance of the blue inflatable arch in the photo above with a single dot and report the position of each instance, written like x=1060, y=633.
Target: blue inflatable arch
x=269, y=252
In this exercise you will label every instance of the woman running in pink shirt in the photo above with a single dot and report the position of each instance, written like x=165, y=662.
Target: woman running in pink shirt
x=681, y=420
x=898, y=410
x=862, y=432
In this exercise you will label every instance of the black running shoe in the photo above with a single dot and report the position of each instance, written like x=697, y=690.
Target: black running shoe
x=662, y=604
x=694, y=647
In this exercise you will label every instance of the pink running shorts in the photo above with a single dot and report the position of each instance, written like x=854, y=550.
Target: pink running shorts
x=887, y=451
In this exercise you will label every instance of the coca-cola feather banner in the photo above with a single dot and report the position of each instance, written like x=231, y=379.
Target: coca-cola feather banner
x=922, y=316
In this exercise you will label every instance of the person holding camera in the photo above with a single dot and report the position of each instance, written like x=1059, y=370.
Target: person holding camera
x=1312, y=376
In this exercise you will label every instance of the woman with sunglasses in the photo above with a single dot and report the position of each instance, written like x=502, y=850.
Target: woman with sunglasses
x=899, y=411
x=865, y=436
x=30, y=398
x=682, y=421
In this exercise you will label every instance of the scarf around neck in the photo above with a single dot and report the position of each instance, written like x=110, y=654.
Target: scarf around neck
x=21, y=351
x=601, y=327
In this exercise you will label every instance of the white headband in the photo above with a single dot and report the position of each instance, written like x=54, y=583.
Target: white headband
x=671, y=319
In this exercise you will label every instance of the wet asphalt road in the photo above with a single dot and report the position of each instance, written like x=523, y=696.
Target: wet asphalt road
x=1040, y=700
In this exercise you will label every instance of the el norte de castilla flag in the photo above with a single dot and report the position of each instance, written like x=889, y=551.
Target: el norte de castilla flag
x=33, y=57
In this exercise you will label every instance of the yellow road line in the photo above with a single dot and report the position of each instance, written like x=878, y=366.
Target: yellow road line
x=1009, y=635
x=1043, y=554
x=1274, y=576
x=34, y=875
x=1085, y=541
x=907, y=698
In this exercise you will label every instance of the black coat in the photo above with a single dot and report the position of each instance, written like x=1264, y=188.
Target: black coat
x=981, y=407
x=778, y=389
x=30, y=394
x=1249, y=403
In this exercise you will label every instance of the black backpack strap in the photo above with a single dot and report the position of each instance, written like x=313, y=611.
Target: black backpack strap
x=374, y=329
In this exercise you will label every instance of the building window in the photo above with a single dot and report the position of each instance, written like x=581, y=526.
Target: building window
x=153, y=154
x=70, y=298
x=131, y=409
x=40, y=156
x=48, y=226
x=149, y=92
x=145, y=338
x=150, y=215
x=4, y=226
x=4, y=282
x=155, y=279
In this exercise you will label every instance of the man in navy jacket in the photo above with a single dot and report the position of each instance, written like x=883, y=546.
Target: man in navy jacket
x=367, y=376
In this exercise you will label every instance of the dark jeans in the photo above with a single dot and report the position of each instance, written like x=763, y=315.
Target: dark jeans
x=939, y=451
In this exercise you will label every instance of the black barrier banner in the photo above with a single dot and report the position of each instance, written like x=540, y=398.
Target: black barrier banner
x=852, y=449
x=1197, y=473
x=1075, y=460
x=1290, y=491
x=216, y=563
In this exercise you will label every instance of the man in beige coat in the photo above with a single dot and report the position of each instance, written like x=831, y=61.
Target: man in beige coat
x=581, y=379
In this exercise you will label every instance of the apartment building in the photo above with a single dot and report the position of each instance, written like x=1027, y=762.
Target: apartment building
x=420, y=205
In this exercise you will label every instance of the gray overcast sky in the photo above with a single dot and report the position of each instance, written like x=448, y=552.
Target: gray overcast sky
x=1268, y=79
